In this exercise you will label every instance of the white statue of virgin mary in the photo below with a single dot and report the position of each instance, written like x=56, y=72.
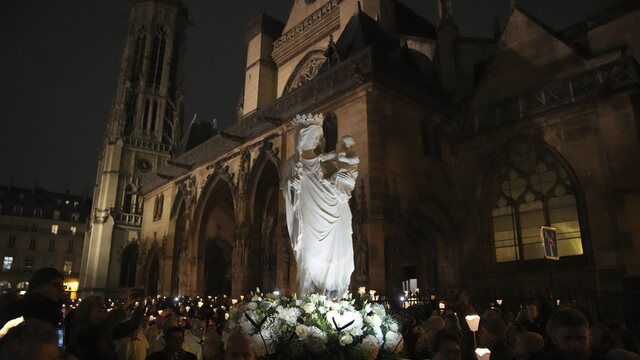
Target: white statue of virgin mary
x=318, y=214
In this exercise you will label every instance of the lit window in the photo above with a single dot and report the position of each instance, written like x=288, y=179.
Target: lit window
x=531, y=188
x=75, y=204
x=68, y=267
x=12, y=241
x=6, y=264
x=37, y=213
x=73, y=230
x=67, y=202
x=23, y=285
x=52, y=244
x=75, y=217
x=56, y=215
x=54, y=229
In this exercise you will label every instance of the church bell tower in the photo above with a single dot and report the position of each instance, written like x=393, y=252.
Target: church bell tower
x=143, y=130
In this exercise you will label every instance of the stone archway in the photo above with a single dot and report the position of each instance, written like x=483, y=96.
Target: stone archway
x=215, y=233
x=153, y=275
x=264, y=216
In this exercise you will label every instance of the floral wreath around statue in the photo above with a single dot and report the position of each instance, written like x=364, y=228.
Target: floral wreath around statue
x=316, y=327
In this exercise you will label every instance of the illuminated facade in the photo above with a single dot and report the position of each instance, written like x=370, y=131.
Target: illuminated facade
x=467, y=146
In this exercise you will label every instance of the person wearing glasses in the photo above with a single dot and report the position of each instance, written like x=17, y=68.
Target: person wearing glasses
x=43, y=300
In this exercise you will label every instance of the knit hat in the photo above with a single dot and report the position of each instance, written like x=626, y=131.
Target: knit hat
x=44, y=275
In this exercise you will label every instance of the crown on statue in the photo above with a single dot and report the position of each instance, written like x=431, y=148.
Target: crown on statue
x=305, y=120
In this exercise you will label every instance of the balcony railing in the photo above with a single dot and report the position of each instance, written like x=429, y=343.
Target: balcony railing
x=146, y=144
x=611, y=76
x=129, y=219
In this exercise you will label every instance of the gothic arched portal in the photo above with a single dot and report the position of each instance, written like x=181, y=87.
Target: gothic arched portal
x=265, y=220
x=215, y=230
x=128, y=265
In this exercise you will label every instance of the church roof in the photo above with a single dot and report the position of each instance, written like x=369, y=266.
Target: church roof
x=362, y=31
x=530, y=51
x=197, y=133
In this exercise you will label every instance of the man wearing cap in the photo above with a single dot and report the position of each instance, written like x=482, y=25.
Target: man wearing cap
x=43, y=299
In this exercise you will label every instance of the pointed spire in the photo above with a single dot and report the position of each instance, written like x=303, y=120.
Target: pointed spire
x=359, y=7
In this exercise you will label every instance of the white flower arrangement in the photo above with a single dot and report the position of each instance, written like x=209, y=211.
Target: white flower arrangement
x=316, y=327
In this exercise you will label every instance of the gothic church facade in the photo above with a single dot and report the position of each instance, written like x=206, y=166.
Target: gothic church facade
x=467, y=146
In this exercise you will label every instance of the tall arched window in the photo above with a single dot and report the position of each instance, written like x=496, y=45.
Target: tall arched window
x=530, y=187
x=130, y=200
x=138, y=54
x=156, y=60
x=128, y=265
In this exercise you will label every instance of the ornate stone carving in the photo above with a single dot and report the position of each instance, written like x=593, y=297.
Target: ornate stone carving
x=305, y=24
x=306, y=71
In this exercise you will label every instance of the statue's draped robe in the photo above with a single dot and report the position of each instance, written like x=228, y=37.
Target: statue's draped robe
x=319, y=224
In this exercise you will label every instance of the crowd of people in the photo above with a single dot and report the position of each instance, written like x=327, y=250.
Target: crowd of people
x=41, y=326
x=530, y=334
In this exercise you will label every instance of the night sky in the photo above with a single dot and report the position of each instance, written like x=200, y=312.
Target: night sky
x=59, y=65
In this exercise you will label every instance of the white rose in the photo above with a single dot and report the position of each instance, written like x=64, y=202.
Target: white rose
x=318, y=334
x=346, y=339
x=379, y=310
x=256, y=298
x=252, y=306
x=393, y=341
x=393, y=326
x=308, y=308
x=322, y=310
x=302, y=331
x=374, y=320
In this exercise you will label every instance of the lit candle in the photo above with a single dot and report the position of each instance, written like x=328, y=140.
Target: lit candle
x=483, y=354
x=499, y=301
x=473, y=321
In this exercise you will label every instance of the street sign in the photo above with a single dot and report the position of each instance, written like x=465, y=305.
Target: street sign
x=549, y=238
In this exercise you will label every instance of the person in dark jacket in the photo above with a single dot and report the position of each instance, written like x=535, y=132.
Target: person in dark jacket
x=492, y=335
x=94, y=330
x=43, y=300
x=173, y=338
x=568, y=331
